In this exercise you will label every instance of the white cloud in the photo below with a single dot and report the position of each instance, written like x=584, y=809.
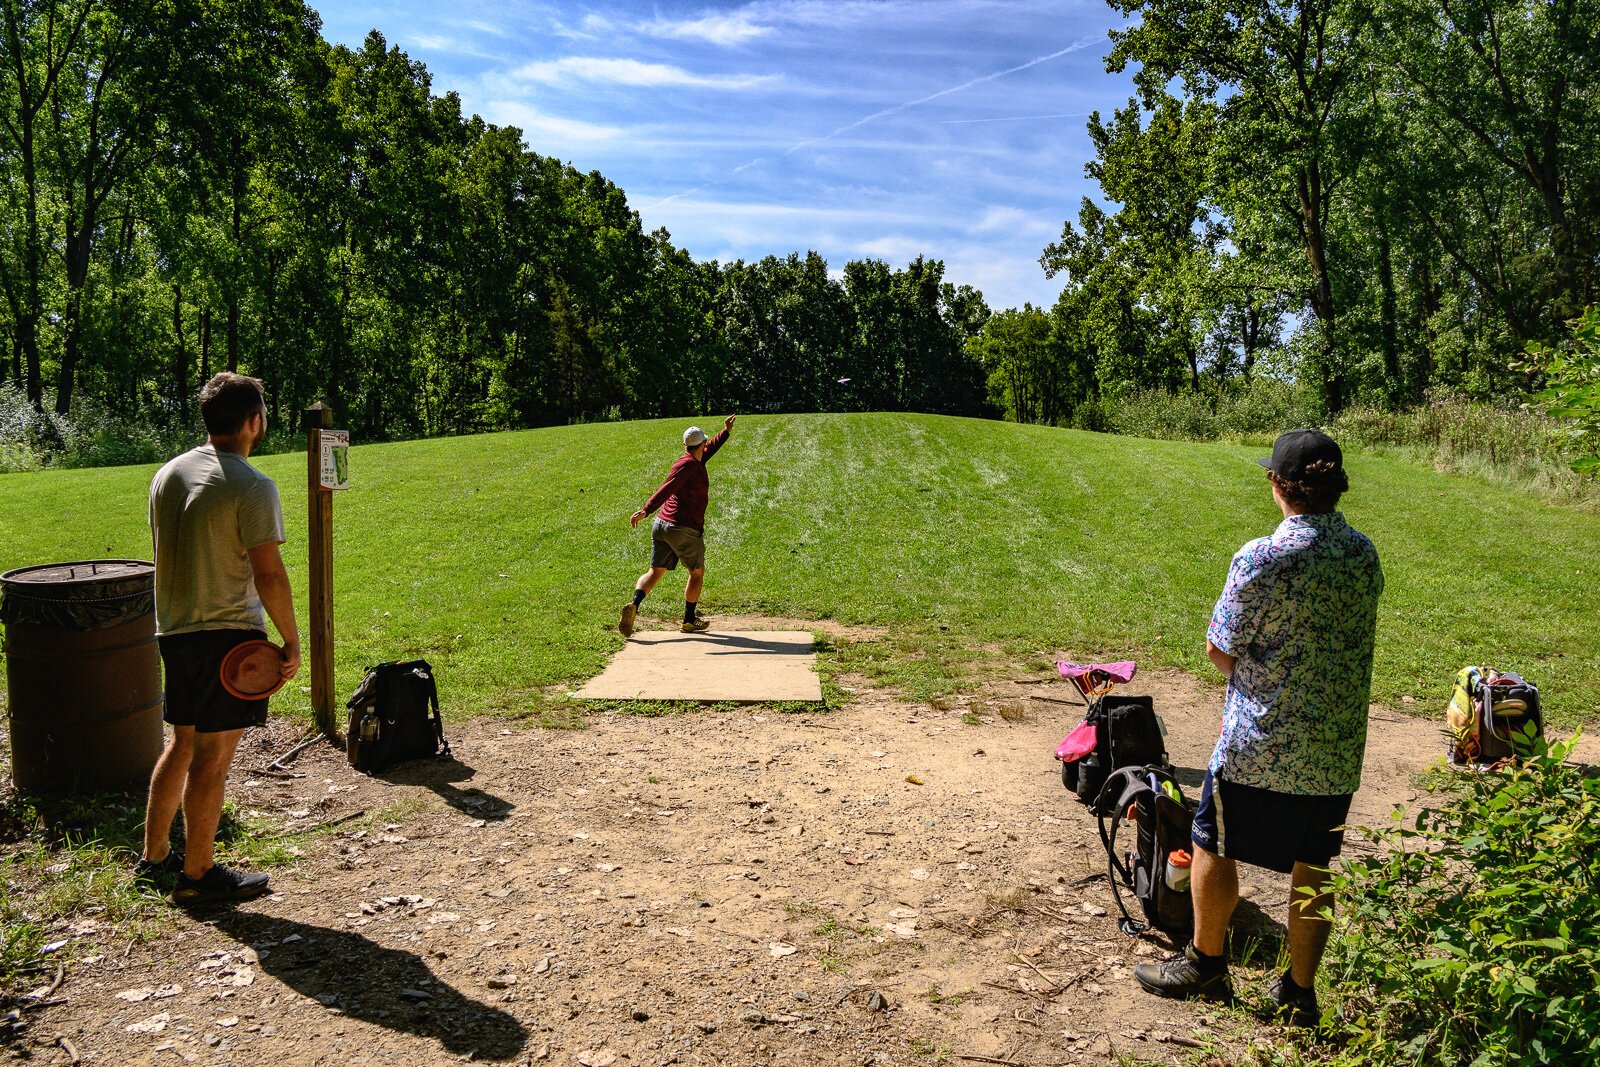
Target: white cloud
x=440, y=43
x=537, y=125
x=893, y=249
x=632, y=72
x=1014, y=221
x=592, y=28
x=1005, y=281
x=723, y=29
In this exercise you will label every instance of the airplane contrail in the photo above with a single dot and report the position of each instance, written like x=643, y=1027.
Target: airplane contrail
x=1017, y=118
x=1076, y=46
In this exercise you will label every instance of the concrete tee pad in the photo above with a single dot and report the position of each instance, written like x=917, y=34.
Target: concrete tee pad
x=749, y=666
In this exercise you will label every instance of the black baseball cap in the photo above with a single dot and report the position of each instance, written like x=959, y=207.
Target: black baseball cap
x=1295, y=450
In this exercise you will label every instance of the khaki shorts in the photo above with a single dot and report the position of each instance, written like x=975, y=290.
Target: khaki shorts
x=670, y=543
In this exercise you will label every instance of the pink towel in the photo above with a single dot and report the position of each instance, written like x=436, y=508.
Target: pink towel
x=1118, y=672
x=1076, y=745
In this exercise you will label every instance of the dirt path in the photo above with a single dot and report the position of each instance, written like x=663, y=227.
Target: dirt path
x=741, y=887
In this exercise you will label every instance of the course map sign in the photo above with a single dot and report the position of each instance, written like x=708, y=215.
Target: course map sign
x=335, y=459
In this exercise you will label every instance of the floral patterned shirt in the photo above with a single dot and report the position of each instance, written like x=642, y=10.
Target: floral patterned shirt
x=1300, y=612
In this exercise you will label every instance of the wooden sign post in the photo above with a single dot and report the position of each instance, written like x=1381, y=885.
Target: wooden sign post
x=319, y=522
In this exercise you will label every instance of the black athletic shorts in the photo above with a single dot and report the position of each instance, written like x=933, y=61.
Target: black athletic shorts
x=195, y=696
x=1269, y=829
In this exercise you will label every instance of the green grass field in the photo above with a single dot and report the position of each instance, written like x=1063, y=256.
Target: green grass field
x=505, y=558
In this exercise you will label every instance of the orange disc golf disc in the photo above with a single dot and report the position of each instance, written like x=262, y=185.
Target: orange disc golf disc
x=252, y=670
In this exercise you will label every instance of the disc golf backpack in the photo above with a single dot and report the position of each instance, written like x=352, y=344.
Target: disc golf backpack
x=1153, y=868
x=1124, y=732
x=1493, y=716
x=394, y=717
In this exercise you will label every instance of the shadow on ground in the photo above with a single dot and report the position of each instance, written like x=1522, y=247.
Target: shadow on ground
x=441, y=776
x=387, y=987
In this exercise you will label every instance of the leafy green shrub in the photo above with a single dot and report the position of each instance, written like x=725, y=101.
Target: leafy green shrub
x=95, y=437
x=1472, y=936
x=1182, y=416
x=1572, y=395
x=27, y=437
x=1091, y=415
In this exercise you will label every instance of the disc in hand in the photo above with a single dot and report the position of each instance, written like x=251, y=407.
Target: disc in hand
x=253, y=670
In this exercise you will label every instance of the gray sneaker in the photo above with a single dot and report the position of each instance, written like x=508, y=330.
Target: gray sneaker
x=699, y=626
x=1294, y=1005
x=629, y=613
x=1183, y=978
x=219, y=884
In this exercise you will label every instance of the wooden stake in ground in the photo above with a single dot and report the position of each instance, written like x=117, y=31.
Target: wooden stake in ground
x=319, y=521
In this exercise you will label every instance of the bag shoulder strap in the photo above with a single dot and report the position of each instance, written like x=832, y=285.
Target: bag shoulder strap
x=1133, y=781
x=433, y=705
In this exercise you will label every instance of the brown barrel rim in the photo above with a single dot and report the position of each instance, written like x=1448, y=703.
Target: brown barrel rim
x=50, y=575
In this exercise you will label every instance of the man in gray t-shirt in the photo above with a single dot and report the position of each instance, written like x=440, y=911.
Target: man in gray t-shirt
x=216, y=523
x=208, y=509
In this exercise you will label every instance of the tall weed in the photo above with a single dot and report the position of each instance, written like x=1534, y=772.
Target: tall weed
x=1501, y=441
x=1261, y=410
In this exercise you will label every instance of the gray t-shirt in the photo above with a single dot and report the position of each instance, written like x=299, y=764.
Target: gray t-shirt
x=207, y=510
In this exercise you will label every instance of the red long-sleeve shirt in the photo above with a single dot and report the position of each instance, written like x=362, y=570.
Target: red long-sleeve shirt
x=682, y=497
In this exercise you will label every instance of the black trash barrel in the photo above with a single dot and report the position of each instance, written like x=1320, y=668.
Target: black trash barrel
x=83, y=674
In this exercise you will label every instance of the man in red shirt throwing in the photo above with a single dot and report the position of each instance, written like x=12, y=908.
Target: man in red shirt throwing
x=678, y=532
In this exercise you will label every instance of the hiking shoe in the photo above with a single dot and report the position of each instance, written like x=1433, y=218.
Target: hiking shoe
x=219, y=884
x=150, y=872
x=699, y=626
x=1184, y=977
x=1293, y=1004
x=629, y=613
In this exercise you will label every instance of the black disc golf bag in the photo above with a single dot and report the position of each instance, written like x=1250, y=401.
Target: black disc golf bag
x=1150, y=799
x=1126, y=734
x=1493, y=716
x=394, y=717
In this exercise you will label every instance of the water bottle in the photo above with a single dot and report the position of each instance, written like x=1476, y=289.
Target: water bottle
x=1178, y=861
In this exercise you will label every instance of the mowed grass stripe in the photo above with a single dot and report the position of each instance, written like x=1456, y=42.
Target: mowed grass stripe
x=504, y=558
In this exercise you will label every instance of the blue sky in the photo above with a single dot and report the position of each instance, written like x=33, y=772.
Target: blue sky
x=860, y=128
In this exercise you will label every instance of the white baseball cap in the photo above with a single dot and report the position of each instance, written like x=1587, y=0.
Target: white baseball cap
x=693, y=436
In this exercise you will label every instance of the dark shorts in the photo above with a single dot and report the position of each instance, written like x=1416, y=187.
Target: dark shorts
x=195, y=696
x=670, y=543
x=1269, y=829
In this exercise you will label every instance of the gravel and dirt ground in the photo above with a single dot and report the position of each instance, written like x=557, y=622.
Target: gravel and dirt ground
x=878, y=883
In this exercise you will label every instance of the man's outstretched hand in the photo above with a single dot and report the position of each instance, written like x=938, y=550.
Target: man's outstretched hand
x=633, y=520
x=727, y=423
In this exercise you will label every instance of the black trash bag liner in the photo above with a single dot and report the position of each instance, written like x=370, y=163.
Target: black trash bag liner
x=84, y=596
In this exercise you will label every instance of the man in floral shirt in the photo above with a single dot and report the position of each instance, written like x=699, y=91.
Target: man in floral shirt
x=1293, y=633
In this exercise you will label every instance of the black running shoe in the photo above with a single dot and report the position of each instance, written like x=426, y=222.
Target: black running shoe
x=629, y=613
x=1184, y=978
x=153, y=872
x=1293, y=1004
x=219, y=884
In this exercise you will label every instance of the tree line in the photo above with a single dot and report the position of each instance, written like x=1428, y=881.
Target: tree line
x=1368, y=197
x=198, y=185
x=1372, y=197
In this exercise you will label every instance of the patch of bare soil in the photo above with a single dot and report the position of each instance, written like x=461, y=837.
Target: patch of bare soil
x=882, y=883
